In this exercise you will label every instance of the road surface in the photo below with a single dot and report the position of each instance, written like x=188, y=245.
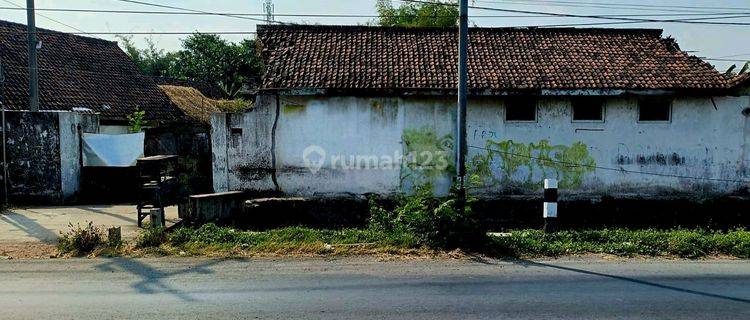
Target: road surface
x=364, y=288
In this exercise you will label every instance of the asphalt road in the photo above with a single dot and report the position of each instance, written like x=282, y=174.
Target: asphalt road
x=364, y=288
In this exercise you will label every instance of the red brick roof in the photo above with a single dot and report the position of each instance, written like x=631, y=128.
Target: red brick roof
x=79, y=72
x=500, y=59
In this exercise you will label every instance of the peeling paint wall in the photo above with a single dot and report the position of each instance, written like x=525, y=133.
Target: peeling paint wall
x=241, y=148
x=700, y=142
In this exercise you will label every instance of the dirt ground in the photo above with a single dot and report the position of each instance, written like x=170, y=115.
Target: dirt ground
x=32, y=232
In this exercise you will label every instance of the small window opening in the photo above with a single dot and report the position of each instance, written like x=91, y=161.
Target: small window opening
x=654, y=109
x=520, y=109
x=588, y=109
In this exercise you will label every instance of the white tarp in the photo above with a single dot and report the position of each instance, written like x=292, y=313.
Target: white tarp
x=112, y=150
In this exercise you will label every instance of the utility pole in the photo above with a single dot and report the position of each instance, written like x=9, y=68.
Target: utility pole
x=268, y=10
x=461, y=148
x=33, y=69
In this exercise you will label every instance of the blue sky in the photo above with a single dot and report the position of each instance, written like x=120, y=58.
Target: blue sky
x=728, y=42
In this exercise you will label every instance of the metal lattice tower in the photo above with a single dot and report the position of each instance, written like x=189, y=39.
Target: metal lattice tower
x=268, y=10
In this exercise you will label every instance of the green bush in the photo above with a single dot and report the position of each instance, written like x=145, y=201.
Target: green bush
x=151, y=237
x=689, y=244
x=81, y=241
x=682, y=243
x=433, y=222
x=735, y=243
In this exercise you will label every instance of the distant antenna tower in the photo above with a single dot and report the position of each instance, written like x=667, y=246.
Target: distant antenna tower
x=268, y=10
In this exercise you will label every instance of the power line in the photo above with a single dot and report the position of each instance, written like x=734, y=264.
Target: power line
x=193, y=10
x=625, y=22
x=625, y=5
x=143, y=33
x=326, y=15
x=19, y=7
x=601, y=17
x=726, y=60
x=544, y=161
x=735, y=55
x=585, y=5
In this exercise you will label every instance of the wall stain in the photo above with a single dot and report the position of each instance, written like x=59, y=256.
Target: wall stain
x=538, y=161
x=661, y=159
x=293, y=108
x=384, y=111
x=426, y=156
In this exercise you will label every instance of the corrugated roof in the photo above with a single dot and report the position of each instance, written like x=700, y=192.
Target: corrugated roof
x=79, y=72
x=503, y=59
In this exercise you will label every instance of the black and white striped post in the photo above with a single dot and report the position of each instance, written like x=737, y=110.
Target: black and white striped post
x=550, y=205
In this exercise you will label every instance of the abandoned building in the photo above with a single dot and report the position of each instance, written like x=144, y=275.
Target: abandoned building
x=86, y=85
x=611, y=112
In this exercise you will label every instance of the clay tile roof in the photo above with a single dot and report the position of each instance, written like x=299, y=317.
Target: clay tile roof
x=739, y=80
x=79, y=72
x=383, y=58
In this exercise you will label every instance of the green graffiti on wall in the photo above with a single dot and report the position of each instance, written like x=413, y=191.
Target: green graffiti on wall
x=538, y=161
x=426, y=156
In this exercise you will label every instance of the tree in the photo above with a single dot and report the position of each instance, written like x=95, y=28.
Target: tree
x=151, y=61
x=212, y=59
x=416, y=14
x=203, y=57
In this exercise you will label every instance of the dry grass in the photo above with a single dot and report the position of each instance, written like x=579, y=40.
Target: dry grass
x=198, y=106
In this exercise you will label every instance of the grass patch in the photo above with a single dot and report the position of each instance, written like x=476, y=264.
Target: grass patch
x=212, y=238
x=151, y=237
x=681, y=243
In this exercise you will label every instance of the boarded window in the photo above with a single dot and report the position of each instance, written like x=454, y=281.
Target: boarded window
x=588, y=109
x=654, y=109
x=520, y=109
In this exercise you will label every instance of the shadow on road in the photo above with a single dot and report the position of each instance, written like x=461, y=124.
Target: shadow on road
x=152, y=278
x=632, y=280
x=116, y=216
x=29, y=226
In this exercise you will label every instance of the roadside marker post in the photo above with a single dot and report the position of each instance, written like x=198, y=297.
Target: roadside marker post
x=550, y=205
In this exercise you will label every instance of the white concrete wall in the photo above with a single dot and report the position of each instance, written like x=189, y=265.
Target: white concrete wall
x=241, y=148
x=70, y=149
x=110, y=129
x=70, y=154
x=700, y=143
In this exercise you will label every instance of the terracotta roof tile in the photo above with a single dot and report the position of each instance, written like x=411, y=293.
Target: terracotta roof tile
x=79, y=72
x=359, y=57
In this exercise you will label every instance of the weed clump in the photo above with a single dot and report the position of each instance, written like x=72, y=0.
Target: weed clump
x=439, y=223
x=80, y=241
x=151, y=237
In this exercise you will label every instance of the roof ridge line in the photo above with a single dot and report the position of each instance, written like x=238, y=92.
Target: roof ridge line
x=264, y=27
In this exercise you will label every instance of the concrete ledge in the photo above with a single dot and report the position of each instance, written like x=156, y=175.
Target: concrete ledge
x=213, y=207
